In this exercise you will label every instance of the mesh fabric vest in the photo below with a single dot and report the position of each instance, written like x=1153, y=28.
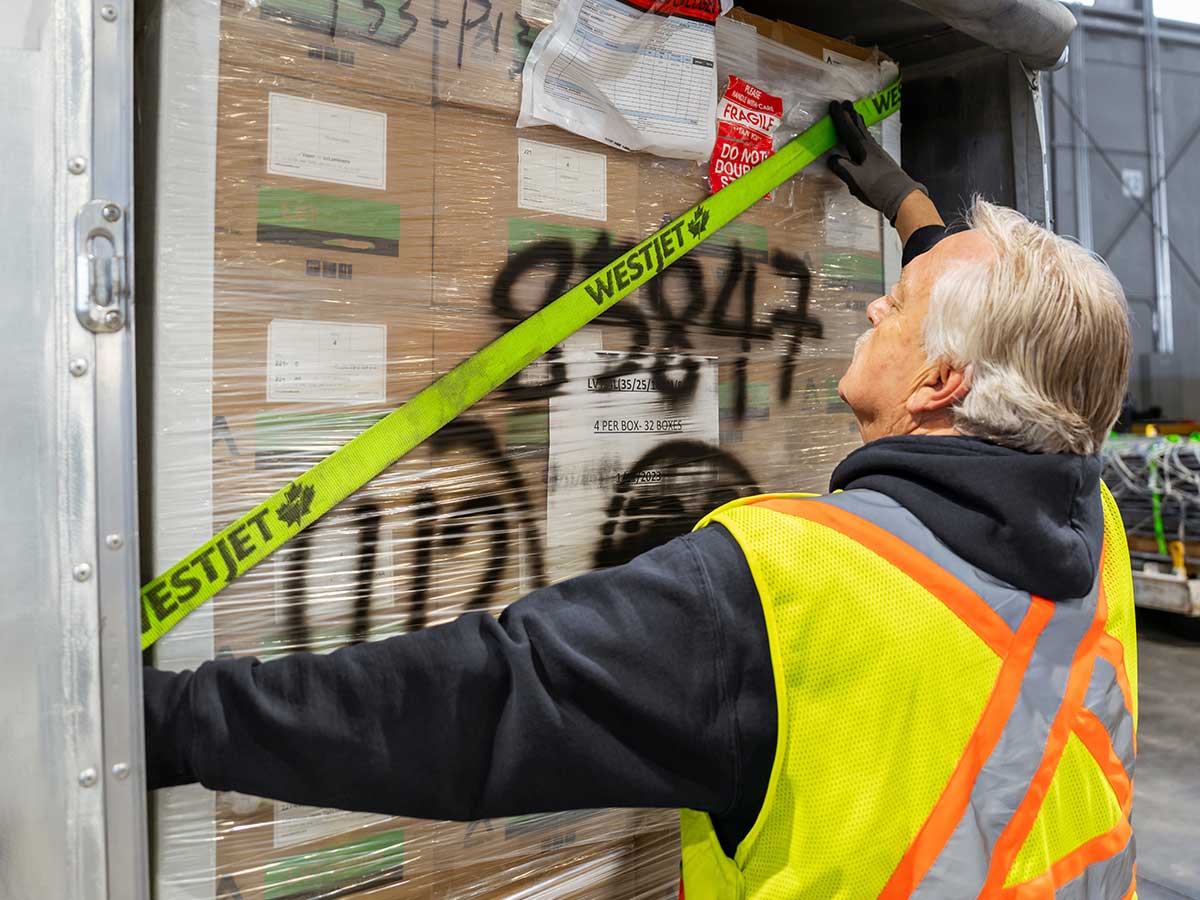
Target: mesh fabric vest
x=941, y=734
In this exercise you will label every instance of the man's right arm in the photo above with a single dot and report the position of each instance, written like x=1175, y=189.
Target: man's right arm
x=878, y=181
x=649, y=684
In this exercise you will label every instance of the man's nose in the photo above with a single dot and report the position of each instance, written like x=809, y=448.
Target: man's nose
x=876, y=310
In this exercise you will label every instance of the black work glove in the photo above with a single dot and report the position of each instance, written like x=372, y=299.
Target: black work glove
x=872, y=176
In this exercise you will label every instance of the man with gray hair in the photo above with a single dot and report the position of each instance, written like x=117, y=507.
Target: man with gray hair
x=924, y=683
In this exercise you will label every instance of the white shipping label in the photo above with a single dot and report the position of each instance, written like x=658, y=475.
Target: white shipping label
x=295, y=824
x=834, y=58
x=326, y=361
x=560, y=180
x=327, y=142
x=623, y=439
x=634, y=79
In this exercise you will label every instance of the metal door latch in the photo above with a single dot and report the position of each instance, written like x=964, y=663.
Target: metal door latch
x=101, y=267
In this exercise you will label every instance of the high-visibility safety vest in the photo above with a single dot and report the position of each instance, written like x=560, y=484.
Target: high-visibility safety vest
x=941, y=734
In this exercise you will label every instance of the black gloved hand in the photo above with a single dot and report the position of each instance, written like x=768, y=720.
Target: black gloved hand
x=872, y=176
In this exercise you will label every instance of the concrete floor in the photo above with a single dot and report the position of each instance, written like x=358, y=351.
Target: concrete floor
x=1166, y=810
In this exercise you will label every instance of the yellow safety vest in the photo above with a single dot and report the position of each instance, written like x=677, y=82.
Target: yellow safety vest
x=941, y=734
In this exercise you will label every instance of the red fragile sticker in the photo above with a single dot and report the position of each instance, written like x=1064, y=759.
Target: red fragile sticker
x=746, y=120
x=700, y=10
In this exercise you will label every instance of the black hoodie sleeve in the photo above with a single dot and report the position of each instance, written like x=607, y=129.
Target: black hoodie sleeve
x=922, y=241
x=644, y=685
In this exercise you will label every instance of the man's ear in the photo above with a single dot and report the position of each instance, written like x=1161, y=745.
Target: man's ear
x=940, y=388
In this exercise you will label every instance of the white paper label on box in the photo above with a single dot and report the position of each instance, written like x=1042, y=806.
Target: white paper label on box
x=326, y=142
x=634, y=79
x=560, y=180
x=834, y=58
x=296, y=824
x=326, y=361
x=619, y=431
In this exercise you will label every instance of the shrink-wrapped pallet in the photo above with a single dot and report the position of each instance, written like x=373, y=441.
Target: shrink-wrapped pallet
x=342, y=209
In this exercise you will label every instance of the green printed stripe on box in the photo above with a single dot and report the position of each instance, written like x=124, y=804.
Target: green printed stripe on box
x=308, y=219
x=750, y=236
x=369, y=862
x=865, y=272
x=283, y=432
x=283, y=440
x=523, y=232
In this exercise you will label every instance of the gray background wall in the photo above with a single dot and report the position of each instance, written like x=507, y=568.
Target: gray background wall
x=1104, y=160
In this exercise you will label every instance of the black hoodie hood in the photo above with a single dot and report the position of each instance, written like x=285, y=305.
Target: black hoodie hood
x=1033, y=520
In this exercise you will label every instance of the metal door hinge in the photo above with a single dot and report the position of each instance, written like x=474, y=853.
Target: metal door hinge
x=101, y=267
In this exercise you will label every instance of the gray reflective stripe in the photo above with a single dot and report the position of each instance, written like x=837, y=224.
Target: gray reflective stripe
x=1104, y=698
x=1108, y=879
x=881, y=510
x=961, y=868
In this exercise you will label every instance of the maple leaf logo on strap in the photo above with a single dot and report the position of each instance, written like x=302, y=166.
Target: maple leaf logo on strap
x=699, y=222
x=296, y=504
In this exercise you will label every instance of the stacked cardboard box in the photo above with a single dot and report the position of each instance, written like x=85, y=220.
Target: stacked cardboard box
x=378, y=218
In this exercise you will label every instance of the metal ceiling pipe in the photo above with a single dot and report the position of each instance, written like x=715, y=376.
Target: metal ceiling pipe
x=1035, y=30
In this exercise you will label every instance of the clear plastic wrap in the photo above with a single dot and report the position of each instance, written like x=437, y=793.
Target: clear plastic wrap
x=1156, y=483
x=342, y=209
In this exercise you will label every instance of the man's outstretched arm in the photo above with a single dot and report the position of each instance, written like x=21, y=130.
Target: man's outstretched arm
x=635, y=686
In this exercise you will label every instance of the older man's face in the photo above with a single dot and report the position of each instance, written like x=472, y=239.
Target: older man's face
x=889, y=363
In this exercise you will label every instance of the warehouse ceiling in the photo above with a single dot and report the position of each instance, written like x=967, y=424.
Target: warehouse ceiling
x=907, y=34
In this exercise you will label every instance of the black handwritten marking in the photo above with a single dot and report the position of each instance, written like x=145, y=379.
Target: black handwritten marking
x=425, y=512
x=222, y=432
x=378, y=20
x=227, y=889
x=468, y=432
x=523, y=38
x=368, y=518
x=661, y=309
x=294, y=591
x=559, y=256
x=691, y=478
x=405, y=16
x=799, y=321
x=480, y=21
x=365, y=519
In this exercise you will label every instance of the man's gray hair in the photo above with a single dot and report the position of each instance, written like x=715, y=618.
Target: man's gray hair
x=1041, y=331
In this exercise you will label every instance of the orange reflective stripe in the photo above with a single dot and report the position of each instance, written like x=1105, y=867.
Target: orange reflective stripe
x=1132, y=884
x=1114, y=651
x=1009, y=843
x=961, y=600
x=952, y=803
x=1095, y=737
x=1071, y=866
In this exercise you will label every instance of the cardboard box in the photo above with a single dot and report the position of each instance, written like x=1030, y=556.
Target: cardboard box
x=605, y=871
x=376, y=48
x=500, y=843
x=522, y=215
x=321, y=326
x=812, y=43
x=323, y=214
x=481, y=55
x=272, y=851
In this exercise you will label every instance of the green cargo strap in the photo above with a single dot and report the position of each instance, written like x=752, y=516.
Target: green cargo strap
x=246, y=542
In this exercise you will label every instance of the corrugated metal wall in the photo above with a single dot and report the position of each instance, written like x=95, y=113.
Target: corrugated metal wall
x=1106, y=164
